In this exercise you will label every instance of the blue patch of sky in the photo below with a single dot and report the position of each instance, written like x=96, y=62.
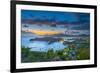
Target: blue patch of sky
x=55, y=15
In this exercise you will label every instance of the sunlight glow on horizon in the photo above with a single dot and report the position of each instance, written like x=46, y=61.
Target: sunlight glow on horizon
x=42, y=32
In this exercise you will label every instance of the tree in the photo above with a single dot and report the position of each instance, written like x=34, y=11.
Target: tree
x=50, y=54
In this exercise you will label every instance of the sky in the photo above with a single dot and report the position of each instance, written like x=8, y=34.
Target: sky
x=71, y=17
x=58, y=16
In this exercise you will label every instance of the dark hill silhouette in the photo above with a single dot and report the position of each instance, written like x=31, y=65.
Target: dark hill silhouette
x=48, y=39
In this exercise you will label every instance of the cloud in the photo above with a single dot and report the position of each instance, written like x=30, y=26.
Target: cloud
x=41, y=32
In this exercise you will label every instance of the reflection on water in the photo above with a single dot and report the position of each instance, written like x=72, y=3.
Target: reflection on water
x=41, y=45
x=39, y=40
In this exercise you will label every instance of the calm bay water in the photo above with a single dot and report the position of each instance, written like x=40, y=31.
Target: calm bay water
x=41, y=45
x=44, y=46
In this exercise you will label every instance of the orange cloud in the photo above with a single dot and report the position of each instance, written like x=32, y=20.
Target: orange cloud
x=45, y=32
x=42, y=32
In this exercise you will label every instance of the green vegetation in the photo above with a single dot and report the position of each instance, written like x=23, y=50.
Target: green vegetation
x=51, y=55
x=83, y=54
x=32, y=56
x=72, y=52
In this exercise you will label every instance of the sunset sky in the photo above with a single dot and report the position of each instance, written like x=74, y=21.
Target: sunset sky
x=41, y=32
x=47, y=29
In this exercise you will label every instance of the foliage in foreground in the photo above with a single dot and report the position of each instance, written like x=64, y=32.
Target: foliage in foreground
x=70, y=53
